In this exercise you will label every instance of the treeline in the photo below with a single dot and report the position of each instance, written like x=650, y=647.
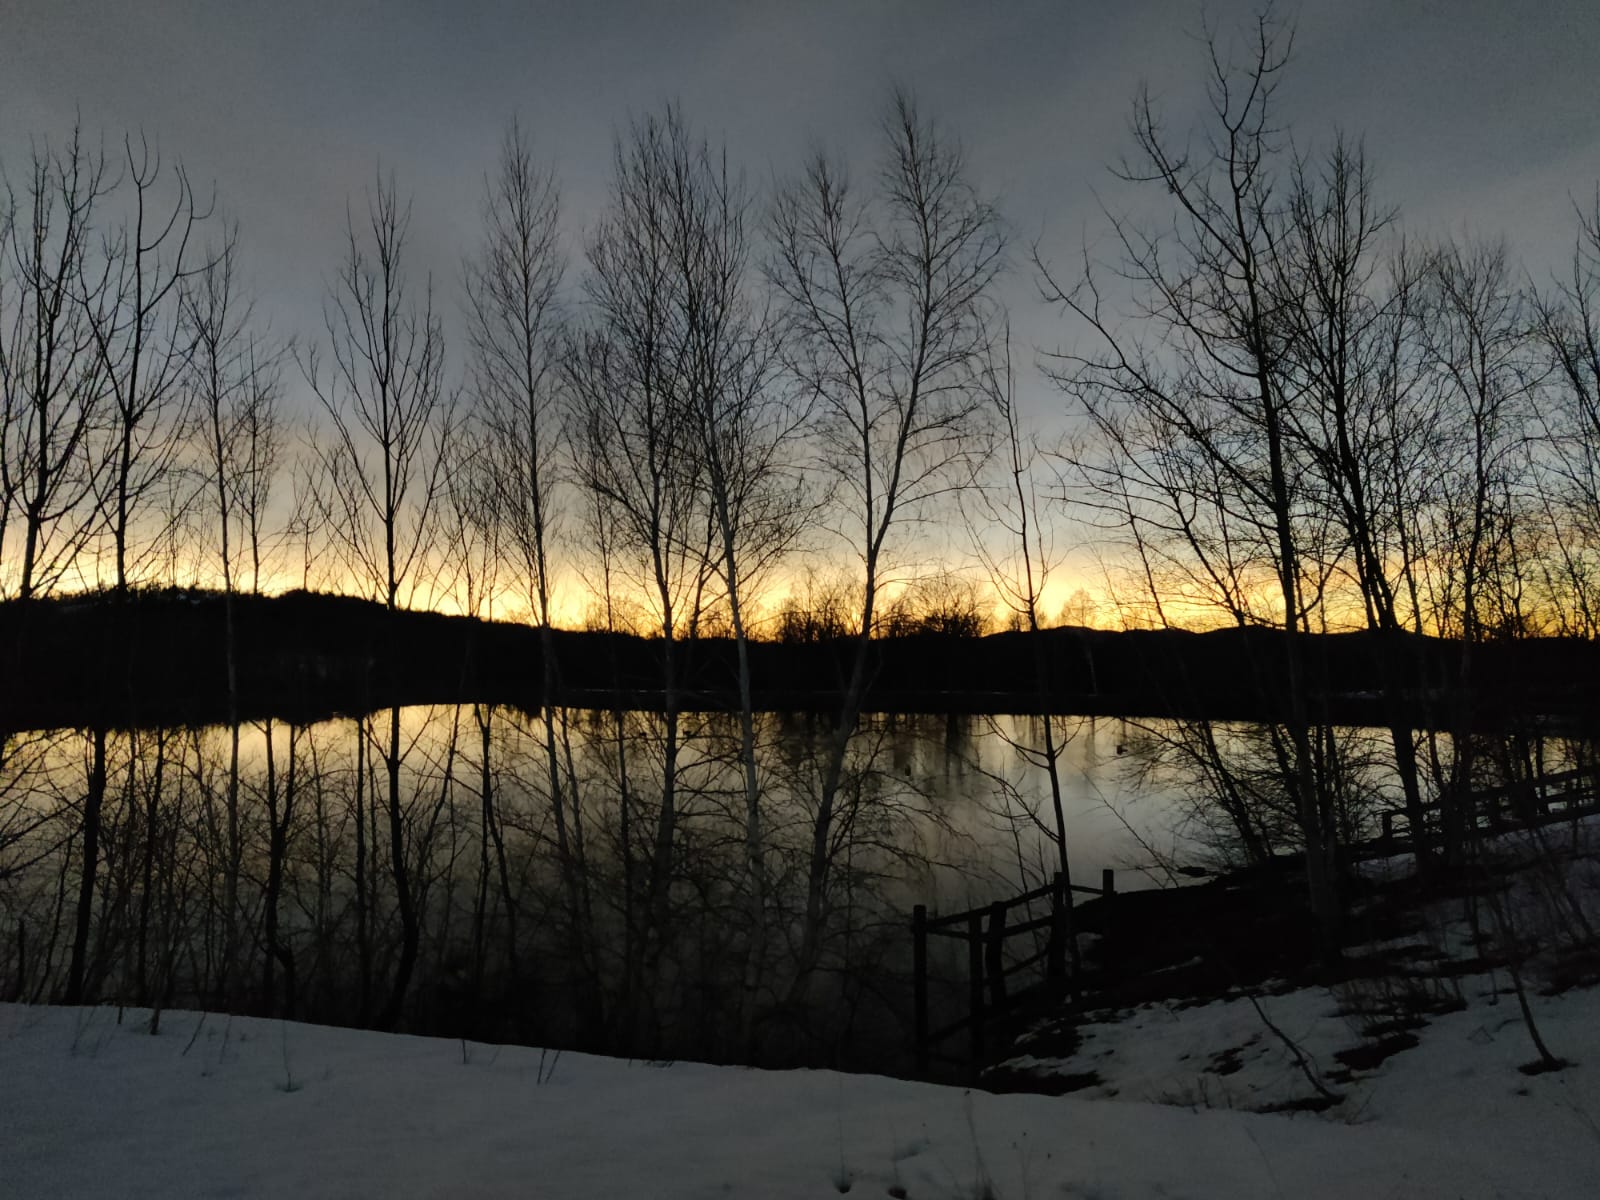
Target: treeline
x=306, y=657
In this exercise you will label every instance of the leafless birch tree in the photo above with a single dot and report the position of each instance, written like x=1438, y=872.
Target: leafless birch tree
x=511, y=286
x=627, y=373
x=1568, y=323
x=1209, y=385
x=389, y=419
x=888, y=300
x=52, y=382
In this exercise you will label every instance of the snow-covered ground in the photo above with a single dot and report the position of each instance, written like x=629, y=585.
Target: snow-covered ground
x=1417, y=1064
x=1426, y=1040
x=1456, y=1076
x=243, y=1107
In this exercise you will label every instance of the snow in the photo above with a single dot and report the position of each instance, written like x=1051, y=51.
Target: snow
x=1425, y=1040
x=217, y=1106
x=1464, y=1069
x=91, y=1104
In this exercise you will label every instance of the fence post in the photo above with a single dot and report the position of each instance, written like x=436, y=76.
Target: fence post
x=919, y=985
x=1108, y=895
x=1056, y=963
x=22, y=962
x=993, y=958
x=975, y=984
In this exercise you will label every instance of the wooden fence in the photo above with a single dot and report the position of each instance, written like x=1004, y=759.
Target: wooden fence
x=992, y=980
x=1542, y=800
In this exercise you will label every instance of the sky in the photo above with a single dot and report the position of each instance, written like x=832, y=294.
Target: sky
x=1480, y=117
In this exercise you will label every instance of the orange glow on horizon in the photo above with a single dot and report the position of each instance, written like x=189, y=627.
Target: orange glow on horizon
x=1081, y=596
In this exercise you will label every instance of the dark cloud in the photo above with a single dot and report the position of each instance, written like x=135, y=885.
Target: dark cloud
x=1479, y=114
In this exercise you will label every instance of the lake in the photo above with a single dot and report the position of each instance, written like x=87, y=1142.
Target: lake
x=426, y=868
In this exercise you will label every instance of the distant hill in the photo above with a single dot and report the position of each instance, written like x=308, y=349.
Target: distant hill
x=159, y=658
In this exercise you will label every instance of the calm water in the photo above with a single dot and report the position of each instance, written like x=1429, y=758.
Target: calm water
x=539, y=919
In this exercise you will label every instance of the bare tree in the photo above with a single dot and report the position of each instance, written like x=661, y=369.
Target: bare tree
x=8, y=417
x=473, y=538
x=511, y=286
x=389, y=419
x=131, y=316
x=386, y=406
x=52, y=388
x=1366, y=415
x=232, y=384
x=745, y=430
x=1475, y=332
x=1216, y=395
x=1568, y=323
x=257, y=451
x=1019, y=569
x=888, y=302
x=628, y=372
x=142, y=343
x=52, y=381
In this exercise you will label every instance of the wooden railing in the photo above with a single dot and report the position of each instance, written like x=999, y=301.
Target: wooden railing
x=1541, y=800
x=992, y=979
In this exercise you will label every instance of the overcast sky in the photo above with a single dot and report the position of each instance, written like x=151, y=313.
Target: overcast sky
x=1479, y=116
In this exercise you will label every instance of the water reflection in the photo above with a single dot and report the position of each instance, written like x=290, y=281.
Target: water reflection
x=577, y=877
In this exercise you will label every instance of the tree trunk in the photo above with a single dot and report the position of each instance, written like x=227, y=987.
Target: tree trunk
x=93, y=801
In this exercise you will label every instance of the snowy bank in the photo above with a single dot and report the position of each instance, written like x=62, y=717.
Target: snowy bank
x=241, y=1107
